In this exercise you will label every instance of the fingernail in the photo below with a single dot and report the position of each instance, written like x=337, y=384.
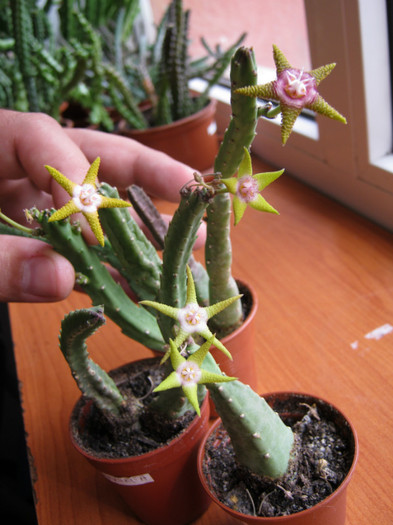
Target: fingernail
x=39, y=277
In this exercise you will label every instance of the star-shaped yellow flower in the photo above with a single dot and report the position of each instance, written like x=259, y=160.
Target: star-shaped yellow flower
x=246, y=187
x=85, y=198
x=192, y=317
x=188, y=373
x=294, y=89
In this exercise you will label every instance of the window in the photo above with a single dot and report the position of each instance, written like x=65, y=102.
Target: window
x=353, y=163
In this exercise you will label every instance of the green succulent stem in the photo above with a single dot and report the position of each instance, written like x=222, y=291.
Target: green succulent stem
x=92, y=380
x=158, y=228
x=218, y=254
x=138, y=260
x=241, y=129
x=23, y=37
x=239, y=135
x=136, y=322
x=261, y=441
x=179, y=242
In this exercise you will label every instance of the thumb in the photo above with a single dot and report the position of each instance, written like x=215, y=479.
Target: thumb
x=30, y=271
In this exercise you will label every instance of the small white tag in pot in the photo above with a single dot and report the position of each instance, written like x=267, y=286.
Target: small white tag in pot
x=142, y=479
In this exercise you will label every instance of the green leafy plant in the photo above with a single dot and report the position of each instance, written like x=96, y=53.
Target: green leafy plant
x=181, y=303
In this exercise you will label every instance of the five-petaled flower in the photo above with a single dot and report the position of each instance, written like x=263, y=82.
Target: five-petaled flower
x=193, y=318
x=85, y=198
x=188, y=373
x=246, y=188
x=294, y=89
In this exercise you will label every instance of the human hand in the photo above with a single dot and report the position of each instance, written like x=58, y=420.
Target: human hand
x=30, y=270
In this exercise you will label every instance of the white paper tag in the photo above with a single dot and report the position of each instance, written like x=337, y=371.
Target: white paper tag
x=142, y=479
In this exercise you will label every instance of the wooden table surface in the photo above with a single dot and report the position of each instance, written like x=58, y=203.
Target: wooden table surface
x=325, y=281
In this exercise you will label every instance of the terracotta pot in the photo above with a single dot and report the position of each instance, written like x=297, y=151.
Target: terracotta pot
x=330, y=511
x=191, y=140
x=240, y=344
x=162, y=486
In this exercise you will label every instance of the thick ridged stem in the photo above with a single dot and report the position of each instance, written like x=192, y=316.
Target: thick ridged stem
x=152, y=219
x=139, y=262
x=162, y=112
x=92, y=380
x=123, y=98
x=241, y=130
x=67, y=20
x=218, y=256
x=179, y=242
x=23, y=36
x=261, y=441
x=178, y=62
x=135, y=321
x=239, y=135
x=173, y=93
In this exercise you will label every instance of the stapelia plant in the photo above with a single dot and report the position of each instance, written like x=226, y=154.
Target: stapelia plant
x=182, y=308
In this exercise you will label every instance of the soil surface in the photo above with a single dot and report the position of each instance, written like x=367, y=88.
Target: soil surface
x=139, y=429
x=321, y=459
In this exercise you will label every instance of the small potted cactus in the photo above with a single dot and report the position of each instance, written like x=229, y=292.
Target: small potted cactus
x=183, y=310
x=171, y=117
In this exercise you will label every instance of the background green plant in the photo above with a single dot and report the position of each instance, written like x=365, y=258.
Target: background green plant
x=96, y=54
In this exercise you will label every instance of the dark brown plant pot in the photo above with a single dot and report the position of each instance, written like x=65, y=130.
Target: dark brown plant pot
x=73, y=115
x=191, y=140
x=241, y=345
x=160, y=487
x=291, y=407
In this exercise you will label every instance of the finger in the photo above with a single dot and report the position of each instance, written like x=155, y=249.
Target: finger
x=19, y=195
x=29, y=142
x=125, y=161
x=32, y=272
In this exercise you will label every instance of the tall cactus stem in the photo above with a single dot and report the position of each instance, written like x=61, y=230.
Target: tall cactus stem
x=260, y=439
x=179, y=242
x=135, y=321
x=23, y=36
x=239, y=135
x=139, y=261
x=92, y=380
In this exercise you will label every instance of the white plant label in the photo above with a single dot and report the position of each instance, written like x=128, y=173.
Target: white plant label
x=142, y=479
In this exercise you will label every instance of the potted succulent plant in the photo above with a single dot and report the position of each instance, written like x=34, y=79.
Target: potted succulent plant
x=183, y=309
x=95, y=69
x=171, y=118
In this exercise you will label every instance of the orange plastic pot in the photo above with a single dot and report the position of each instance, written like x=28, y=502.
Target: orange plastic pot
x=330, y=511
x=241, y=345
x=161, y=487
x=191, y=140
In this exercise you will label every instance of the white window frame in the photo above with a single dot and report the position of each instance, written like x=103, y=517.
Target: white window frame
x=351, y=163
